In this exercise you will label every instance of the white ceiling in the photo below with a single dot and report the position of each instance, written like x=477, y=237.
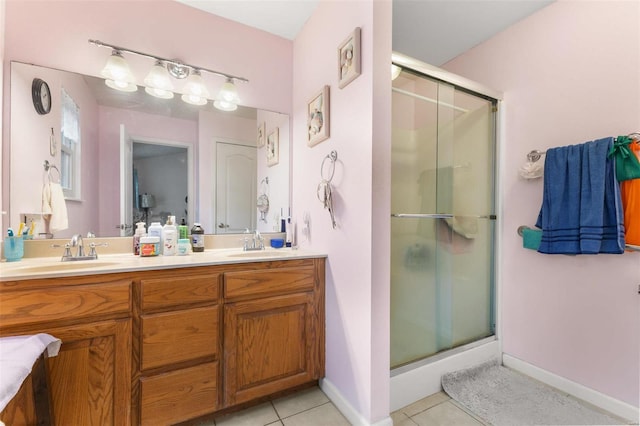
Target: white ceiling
x=436, y=31
x=284, y=18
x=433, y=31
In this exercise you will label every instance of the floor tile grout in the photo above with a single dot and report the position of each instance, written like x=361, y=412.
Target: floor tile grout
x=426, y=409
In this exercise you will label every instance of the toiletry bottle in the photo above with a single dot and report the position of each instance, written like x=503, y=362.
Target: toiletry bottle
x=141, y=231
x=183, y=231
x=155, y=230
x=169, y=237
x=184, y=247
x=197, y=238
x=290, y=233
x=283, y=221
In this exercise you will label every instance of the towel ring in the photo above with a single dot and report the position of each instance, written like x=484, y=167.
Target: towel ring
x=535, y=155
x=47, y=168
x=333, y=156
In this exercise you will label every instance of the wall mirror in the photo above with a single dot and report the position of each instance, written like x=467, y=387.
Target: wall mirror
x=144, y=158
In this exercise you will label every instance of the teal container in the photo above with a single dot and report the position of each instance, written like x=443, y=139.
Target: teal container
x=13, y=248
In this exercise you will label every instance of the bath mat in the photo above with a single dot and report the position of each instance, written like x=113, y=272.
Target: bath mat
x=504, y=397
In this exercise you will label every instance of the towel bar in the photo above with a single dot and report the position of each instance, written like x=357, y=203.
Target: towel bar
x=441, y=216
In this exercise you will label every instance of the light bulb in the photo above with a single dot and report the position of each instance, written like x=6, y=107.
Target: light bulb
x=117, y=73
x=123, y=86
x=225, y=106
x=159, y=93
x=227, y=98
x=195, y=91
x=158, y=82
x=228, y=92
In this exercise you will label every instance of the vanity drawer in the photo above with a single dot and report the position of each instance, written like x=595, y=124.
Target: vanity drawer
x=178, y=336
x=257, y=284
x=65, y=303
x=179, y=395
x=168, y=292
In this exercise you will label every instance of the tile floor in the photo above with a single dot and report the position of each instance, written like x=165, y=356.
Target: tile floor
x=311, y=407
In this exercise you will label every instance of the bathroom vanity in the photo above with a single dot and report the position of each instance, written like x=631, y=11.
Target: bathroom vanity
x=162, y=343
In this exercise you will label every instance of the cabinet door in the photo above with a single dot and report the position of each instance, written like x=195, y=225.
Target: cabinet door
x=269, y=346
x=90, y=379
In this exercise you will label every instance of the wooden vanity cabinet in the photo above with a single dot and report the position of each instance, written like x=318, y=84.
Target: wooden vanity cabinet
x=273, y=330
x=90, y=379
x=167, y=346
x=177, y=337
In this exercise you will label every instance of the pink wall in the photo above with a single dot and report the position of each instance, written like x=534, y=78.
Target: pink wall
x=173, y=30
x=357, y=300
x=2, y=206
x=569, y=74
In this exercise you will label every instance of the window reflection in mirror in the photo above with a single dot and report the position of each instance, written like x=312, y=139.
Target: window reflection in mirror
x=170, y=126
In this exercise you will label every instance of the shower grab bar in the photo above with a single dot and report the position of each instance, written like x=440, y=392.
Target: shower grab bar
x=441, y=216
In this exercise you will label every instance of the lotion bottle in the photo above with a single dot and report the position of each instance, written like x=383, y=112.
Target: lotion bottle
x=155, y=230
x=169, y=237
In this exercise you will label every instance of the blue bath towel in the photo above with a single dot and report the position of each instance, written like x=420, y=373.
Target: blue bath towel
x=581, y=208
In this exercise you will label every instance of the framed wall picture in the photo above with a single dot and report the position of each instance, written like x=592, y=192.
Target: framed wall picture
x=318, y=117
x=261, y=135
x=349, y=59
x=273, y=148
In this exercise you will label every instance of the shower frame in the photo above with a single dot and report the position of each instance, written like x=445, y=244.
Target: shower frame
x=421, y=378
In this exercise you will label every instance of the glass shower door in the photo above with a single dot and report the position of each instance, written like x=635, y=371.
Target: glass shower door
x=442, y=227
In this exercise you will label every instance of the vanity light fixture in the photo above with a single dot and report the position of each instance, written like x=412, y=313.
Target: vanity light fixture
x=227, y=99
x=195, y=92
x=117, y=73
x=158, y=82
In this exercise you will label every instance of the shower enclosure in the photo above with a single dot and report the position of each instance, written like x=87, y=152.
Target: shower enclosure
x=443, y=216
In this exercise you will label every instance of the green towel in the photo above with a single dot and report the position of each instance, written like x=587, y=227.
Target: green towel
x=531, y=238
x=627, y=164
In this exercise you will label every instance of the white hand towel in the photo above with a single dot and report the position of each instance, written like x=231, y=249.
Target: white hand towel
x=17, y=356
x=53, y=204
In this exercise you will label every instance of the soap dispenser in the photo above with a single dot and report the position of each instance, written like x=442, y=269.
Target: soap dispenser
x=141, y=231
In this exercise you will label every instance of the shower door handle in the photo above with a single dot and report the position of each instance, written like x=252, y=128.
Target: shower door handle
x=441, y=216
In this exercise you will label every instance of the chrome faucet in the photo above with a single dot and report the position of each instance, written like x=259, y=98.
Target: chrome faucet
x=256, y=242
x=76, y=241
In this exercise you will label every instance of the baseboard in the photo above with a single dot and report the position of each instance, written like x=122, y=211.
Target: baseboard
x=347, y=410
x=600, y=400
x=415, y=384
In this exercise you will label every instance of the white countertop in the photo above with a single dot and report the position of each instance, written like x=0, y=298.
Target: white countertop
x=50, y=267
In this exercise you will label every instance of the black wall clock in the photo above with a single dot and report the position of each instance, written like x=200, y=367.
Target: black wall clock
x=41, y=96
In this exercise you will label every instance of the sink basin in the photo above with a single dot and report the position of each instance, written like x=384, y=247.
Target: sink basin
x=259, y=253
x=66, y=266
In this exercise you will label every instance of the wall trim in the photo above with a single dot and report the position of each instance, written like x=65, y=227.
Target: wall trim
x=347, y=410
x=600, y=400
